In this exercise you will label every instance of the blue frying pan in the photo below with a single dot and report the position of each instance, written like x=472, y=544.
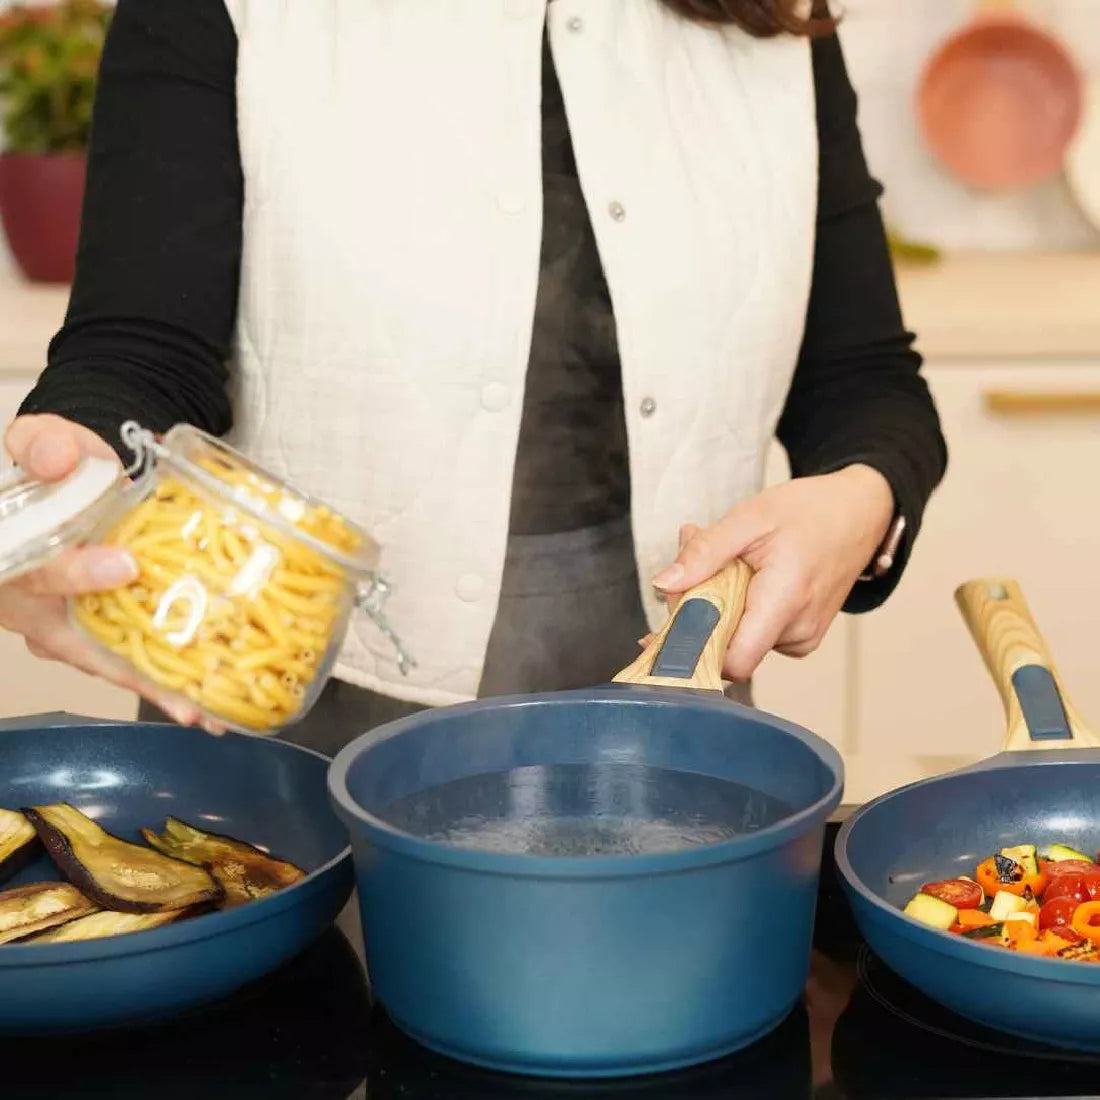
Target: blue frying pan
x=593, y=883
x=1043, y=788
x=126, y=776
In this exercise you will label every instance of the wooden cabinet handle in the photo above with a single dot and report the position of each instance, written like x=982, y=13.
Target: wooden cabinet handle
x=1042, y=403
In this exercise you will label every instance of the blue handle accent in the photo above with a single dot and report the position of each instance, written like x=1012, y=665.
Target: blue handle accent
x=1042, y=704
x=685, y=642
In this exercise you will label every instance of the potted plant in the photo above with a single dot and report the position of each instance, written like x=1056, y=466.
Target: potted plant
x=49, y=62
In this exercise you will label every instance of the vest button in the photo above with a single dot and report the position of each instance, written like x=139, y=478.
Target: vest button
x=648, y=406
x=494, y=397
x=575, y=23
x=617, y=210
x=470, y=587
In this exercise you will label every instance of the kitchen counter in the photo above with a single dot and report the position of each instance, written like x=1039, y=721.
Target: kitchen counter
x=968, y=306
x=1002, y=307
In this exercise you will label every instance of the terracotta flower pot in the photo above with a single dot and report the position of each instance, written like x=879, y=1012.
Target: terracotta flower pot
x=40, y=201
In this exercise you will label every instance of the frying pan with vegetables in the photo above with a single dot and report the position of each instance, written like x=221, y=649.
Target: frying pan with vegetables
x=1042, y=790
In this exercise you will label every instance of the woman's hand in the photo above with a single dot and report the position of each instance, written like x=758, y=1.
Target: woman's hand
x=807, y=540
x=49, y=448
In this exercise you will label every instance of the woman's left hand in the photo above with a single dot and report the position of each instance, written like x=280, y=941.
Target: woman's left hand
x=807, y=541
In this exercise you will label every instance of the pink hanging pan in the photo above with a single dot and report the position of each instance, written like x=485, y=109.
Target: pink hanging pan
x=999, y=102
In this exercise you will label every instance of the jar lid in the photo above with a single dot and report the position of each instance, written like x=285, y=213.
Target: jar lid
x=40, y=519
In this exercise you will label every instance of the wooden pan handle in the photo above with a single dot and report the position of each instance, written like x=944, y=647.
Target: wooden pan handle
x=691, y=647
x=1037, y=710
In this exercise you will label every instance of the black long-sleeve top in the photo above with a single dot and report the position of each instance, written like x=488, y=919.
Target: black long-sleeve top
x=153, y=303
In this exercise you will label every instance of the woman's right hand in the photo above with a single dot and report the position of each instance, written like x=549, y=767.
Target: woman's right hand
x=49, y=448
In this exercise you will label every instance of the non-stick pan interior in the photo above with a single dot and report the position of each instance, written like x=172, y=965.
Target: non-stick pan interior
x=945, y=827
x=615, y=772
x=129, y=776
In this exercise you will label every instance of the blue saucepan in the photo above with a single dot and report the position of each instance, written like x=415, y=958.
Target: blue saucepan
x=593, y=883
x=126, y=776
x=1044, y=788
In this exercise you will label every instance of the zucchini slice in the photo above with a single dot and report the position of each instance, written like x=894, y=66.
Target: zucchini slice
x=1058, y=853
x=1024, y=855
x=931, y=911
x=986, y=932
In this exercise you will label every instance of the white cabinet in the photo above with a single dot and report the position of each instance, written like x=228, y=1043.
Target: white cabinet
x=1022, y=499
x=27, y=684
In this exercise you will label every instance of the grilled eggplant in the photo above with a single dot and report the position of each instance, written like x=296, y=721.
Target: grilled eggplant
x=100, y=925
x=243, y=871
x=18, y=843
x=25, y=910
x=115, y=874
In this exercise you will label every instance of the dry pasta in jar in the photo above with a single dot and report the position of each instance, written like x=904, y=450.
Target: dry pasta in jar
x=244, y=590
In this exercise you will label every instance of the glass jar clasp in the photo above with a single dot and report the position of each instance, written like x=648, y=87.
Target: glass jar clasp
x=370, y=595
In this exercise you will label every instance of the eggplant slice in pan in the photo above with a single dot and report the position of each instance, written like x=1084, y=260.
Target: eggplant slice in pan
x=243, y=871
x=19, y=843
x=25, y=910
x=101, y=925
x=115, y=874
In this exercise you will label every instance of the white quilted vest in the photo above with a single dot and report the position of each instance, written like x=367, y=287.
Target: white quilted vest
x=392, y=225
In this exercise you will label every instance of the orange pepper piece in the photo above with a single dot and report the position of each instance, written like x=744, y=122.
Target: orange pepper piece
x=1019, y=932
x=990, y=881
x=974, y=918
x=1086, y=921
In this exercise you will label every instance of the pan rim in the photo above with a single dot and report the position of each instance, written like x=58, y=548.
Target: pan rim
x=202, y=927
x=1062, y=970
x=587, y=868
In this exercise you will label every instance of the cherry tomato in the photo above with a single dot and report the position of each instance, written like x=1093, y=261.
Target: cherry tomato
x=1071, y=867
x=1058, y=912
x=957, y=892
x=1075, y=887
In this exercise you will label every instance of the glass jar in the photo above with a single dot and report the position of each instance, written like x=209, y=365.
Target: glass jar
x=245, y=585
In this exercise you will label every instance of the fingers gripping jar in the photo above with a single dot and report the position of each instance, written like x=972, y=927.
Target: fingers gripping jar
x=245, y=586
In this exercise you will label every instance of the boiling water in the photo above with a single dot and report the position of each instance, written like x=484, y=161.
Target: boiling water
x=585, y=810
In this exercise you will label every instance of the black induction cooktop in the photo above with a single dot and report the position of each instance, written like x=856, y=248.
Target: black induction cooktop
x=311, y=1033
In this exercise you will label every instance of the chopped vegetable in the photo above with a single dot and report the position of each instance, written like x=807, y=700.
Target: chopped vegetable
x=98, y=926
x=1006, y=904
x=1024, y=856
x=1002, y=873
x=243, y=871
x=961, y=893
x=25, y=910
x=974, y=918
x=1086, y=921
x=985, y=932
x=1059, y=853
x=18, y=843
x=112, y=872
x=1040, y=902
x=931, y=911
